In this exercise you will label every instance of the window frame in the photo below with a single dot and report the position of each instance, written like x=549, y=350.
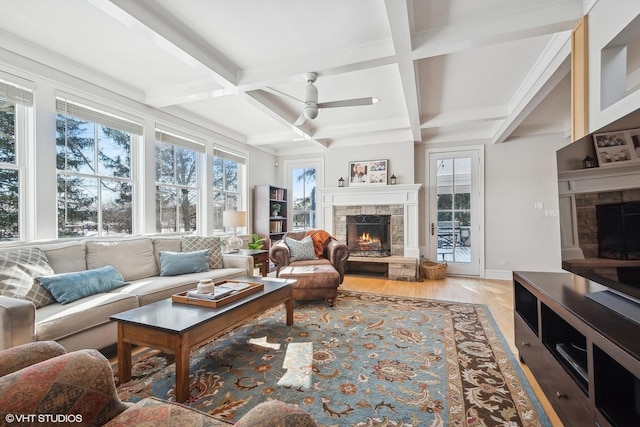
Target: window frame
x=99, y=118
x=290, y=166
x=239, y=194
x=22, y=99
x=178, y=141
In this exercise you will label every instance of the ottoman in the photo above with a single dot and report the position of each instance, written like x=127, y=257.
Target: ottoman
x=314, y=281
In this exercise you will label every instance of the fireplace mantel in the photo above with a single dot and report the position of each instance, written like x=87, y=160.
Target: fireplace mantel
x=405, y=195
x=571, y=184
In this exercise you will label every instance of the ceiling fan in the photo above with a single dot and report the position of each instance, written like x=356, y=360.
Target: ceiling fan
x=311, y=105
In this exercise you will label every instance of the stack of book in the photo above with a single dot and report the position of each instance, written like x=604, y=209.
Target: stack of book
x=220, y=291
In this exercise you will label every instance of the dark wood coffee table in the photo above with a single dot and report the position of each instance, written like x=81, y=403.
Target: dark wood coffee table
x=179, y=328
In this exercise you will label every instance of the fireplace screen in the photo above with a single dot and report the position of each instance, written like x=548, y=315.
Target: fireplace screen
x=619, y=230
x=369, y=235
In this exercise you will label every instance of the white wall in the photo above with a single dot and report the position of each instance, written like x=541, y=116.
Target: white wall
x=260, y=170
x=518, y=174
x=606, y=19
x=336, y=161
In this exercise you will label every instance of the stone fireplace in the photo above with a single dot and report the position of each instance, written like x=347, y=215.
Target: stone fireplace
x=369, y=235
x=579, y=193
x=605, y=220
x=398, y=202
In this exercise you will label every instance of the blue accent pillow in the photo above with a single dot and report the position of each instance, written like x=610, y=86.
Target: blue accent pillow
x=69, y=287
x=176, y=263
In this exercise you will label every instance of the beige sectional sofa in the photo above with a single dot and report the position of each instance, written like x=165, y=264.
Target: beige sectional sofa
x=85, y=323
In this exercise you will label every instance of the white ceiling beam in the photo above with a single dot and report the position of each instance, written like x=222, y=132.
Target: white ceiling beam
x=259, y=79
x=550, y=68
x=361, y=128
x=498, y=112
x=148, y=20
x=328, y=63
x=366, y=140
x=400, y=15
x=186, y=92
x=264, y=103
x=527, y=23
x=272, y=138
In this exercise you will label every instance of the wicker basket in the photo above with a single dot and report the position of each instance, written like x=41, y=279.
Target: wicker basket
x=434, y=270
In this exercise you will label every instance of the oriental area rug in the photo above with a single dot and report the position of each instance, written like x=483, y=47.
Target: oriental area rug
x=370, y=360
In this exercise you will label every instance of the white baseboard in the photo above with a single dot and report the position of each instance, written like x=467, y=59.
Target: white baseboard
x=498, y=274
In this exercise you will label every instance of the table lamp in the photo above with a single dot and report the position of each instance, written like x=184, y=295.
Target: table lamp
x=234, y=219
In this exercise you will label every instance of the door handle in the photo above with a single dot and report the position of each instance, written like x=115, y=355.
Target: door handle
x=432, y=228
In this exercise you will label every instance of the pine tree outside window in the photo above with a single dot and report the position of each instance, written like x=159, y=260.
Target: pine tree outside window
x=95, y=177
x=15, y=106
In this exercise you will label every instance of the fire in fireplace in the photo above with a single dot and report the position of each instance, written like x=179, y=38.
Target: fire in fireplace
x=369, y=235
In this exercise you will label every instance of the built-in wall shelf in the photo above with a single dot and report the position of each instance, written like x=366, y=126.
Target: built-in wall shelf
x=270, y=212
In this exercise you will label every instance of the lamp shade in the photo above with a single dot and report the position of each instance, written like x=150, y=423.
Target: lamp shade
x=234, y=218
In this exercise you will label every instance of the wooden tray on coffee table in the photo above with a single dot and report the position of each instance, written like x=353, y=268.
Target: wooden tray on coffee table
x=183, y=298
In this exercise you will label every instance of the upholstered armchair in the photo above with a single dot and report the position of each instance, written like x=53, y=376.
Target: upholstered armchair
x=41, y=385
x=328, y=250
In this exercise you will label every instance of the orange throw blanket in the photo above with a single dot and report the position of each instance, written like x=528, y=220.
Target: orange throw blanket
x=319, y=239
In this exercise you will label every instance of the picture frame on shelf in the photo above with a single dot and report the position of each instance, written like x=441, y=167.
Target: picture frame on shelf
x=614, y=148
x=368, y=172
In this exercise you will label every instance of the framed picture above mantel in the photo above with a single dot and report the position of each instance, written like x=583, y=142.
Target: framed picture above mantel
x=368, y=172
x=614, y=148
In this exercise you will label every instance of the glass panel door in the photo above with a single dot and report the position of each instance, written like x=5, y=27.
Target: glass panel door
x=453, y=228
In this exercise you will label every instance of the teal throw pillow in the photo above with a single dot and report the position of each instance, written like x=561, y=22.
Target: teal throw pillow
x=176, y=263
x=69, y=287
x=300, y=250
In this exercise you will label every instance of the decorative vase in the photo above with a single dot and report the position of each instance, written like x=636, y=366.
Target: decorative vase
x=205, y=286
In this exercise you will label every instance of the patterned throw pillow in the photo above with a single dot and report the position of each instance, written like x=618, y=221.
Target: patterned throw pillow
x=18, y=269
x=197, y=243
x=301, y=250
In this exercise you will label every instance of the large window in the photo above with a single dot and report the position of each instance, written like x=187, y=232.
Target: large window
x=227, y=177
x=176, y=183
x=14, y=103
x=95, y=179
x=304, y=198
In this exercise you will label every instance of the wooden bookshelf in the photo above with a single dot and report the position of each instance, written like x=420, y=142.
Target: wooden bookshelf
x=266, y=222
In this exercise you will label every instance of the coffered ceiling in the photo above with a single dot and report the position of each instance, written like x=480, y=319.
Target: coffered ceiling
x=444, y=70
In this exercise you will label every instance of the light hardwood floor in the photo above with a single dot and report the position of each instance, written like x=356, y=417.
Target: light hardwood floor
x=497, y=295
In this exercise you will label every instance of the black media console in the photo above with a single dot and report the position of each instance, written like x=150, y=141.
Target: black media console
x=585, y=356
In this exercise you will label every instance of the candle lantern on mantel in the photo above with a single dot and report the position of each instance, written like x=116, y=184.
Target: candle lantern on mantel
x=589, y=162
x=341, y=182
x=393, y=180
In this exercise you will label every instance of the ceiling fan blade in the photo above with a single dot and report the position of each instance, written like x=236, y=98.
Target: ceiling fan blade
x=278, y=93
x=348, y=102
x=300, y=120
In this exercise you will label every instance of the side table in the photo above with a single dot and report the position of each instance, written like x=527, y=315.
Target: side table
x=260, y=256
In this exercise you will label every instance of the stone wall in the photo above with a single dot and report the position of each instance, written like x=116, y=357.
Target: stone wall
x=586, y=215
x=397, y=222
